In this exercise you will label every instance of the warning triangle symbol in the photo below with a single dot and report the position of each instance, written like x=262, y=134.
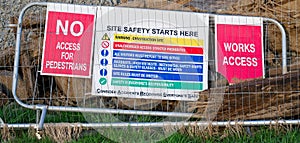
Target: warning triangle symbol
x=105, y=37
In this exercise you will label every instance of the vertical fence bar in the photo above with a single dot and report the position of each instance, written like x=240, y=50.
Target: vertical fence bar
x=284, y=43
x=17, y=54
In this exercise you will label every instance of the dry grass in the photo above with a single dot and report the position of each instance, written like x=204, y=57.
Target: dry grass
x=70, y=132
x=6, y=133
x=64, y=132
x=237, y=130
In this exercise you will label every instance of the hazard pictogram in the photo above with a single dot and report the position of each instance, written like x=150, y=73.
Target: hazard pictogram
x=105, y=37
x=105, y=44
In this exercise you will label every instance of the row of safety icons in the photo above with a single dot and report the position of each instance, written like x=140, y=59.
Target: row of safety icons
x=104, y=62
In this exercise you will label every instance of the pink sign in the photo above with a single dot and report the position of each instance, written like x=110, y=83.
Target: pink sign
x=68, y=44
x=239, y=52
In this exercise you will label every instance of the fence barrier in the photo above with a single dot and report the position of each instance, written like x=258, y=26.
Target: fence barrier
x=45, y=90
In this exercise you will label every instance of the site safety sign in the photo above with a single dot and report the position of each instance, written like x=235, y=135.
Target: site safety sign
x=150, y=54
x=68, y=42
x=239, y=47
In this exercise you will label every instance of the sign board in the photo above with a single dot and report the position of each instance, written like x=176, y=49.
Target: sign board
x=68, y=40
x=150, y=54
x=239, y=47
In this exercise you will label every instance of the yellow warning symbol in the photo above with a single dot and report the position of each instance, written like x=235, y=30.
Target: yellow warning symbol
x=105, y=37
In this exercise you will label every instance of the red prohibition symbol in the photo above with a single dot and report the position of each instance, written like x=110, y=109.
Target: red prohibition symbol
x=105, y=44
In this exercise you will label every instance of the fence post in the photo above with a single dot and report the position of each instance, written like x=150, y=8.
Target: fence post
x=284, y=45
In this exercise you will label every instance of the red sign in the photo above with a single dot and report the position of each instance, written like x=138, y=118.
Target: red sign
x=239, y=52
x=105, y=44
x=157, y=48
x=68, y=44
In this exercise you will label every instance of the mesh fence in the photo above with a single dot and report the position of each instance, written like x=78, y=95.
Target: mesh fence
x=272, y=98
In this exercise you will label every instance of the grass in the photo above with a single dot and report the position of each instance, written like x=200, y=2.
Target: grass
x=13, y=113
x=267, y=135
x=261, y=135
x=25, y=137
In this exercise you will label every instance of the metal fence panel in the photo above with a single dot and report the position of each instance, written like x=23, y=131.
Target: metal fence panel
x=266, y=100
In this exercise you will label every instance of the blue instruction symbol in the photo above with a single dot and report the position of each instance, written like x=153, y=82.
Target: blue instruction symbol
x=104, y=52
x=103, y=72
x=104, y=62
